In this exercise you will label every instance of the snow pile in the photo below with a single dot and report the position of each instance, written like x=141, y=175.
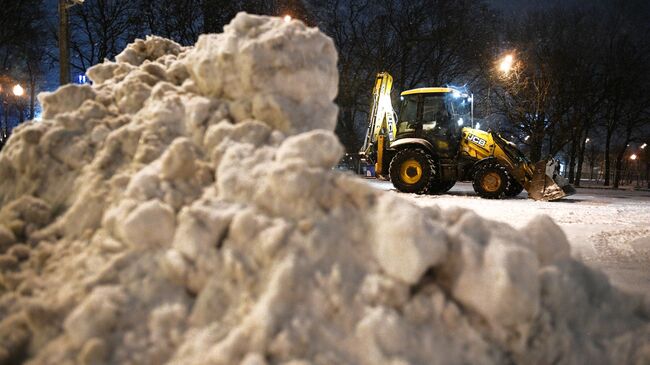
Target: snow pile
x=183, y=210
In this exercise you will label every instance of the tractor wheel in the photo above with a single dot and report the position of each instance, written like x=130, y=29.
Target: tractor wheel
x=411, y=171
x=514, y=189
x=441, y=187
x=491, y=180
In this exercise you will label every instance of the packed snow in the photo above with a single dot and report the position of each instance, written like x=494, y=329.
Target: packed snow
x=607, y=229
x=183, y=210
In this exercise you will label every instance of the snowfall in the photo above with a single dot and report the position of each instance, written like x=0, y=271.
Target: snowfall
x=183, y=209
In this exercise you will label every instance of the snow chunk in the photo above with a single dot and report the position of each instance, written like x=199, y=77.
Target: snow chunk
x=7, y=238
x=281, y=73
x=317, y=148
x=96, y=315
x=151, y=48
x=547, y=239
x=503, y=287
x=66, y=99
x=178, y=160
x=150, y=224
x=406, y=242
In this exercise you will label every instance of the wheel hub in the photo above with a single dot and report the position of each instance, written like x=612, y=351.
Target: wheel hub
x=491, y=182
x=410, y=171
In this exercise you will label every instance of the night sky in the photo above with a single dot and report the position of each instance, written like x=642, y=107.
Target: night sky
x=508, y=7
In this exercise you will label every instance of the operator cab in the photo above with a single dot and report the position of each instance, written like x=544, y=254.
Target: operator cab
x=436, y=114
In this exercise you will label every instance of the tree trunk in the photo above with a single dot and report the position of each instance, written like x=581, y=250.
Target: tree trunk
x=572, y=160
x=347, y=129
x=536, y=143
x=550, y=143
x=581, y=157
x=64, y=43
x=402, y=70
x=608, y=141
x=32, y=97
x=21, y=114
x=619, y=167
x=5, y=124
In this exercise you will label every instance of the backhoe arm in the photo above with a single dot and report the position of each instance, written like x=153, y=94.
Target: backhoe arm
x=382, y=115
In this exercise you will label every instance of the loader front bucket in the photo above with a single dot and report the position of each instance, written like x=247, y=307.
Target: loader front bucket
x=547, y=184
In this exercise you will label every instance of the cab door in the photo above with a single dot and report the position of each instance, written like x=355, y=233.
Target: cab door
x=408, y=125
x=437, y=125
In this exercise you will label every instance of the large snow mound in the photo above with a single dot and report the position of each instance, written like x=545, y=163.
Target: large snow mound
x=183, y=210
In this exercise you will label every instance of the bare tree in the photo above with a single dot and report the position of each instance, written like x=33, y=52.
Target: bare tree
x=100, y=30
x=352, y=25
x=21, y=41
x=174, y=19
x=626, y=59
x=420, y=42
x=217, y=13
x=524, y=98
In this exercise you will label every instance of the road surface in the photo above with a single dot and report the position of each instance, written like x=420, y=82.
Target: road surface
x=607, y=229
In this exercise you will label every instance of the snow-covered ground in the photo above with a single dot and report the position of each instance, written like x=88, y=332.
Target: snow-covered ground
x=607, y=229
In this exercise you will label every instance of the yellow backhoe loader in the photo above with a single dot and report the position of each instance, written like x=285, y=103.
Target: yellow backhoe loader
x=427, y=148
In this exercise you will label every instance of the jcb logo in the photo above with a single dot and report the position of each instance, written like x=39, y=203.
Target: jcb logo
x=476, y=140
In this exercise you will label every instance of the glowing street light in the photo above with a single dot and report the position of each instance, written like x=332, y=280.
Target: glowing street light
x=587, y=140
x=643, y=146
x=633, y=156
x=506, y=64
x=18, y=90
x=287, y=18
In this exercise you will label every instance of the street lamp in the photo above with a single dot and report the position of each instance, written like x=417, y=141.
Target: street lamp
x=287, y=18
x=506, y=64
x=633, y=156
x=18, y=90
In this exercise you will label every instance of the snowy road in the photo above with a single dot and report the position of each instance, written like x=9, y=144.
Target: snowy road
x=607, y=229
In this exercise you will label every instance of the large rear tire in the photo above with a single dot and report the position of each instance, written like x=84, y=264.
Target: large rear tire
x=491, y=180
x=411, y=171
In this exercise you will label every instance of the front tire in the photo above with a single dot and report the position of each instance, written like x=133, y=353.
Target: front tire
x=514, y=189
x=411, y=171
x=491, y=180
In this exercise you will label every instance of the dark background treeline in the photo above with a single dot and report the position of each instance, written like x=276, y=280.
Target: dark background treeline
x=578, y=88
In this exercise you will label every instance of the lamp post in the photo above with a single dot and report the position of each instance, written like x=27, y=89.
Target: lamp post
x=15, y=92
x=19, y=92
x=634, y=159
x=503, y=65
x=64, y=39
x=647, y=163
x=3, y=120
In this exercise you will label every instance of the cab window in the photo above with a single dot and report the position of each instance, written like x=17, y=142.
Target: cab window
x=434, y=112
x=408, y=114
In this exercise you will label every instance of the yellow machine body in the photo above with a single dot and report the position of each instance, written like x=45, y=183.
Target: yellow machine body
x=427, y=148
